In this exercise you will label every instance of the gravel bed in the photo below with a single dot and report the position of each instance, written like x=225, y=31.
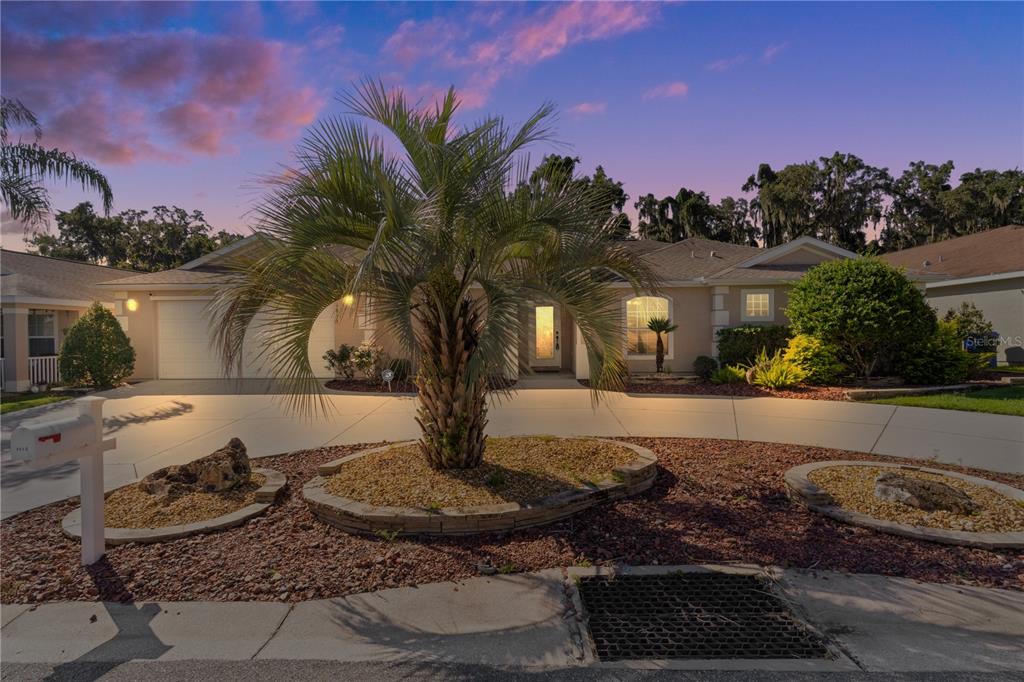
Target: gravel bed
x=853, y=488
x=737, y=390
x=514, y=470
x=714, y=501
x=130, y=507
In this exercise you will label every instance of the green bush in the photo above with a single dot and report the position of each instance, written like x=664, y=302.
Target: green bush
x=96, y=352
x=704, y=367
x=864, y=308
x=741, y=345
x=819, y=361
x=971, y=327
x=940, y=359
x=729, y=374
x=340, y=361
x=774, y=371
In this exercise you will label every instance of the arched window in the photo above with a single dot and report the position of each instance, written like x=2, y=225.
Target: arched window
x=639, y=311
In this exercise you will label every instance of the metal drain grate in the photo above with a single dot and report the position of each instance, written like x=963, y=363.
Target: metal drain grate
x=692, y=615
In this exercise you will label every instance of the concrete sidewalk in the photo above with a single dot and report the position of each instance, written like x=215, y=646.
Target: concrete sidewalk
x=518, y=622
x=160, y=423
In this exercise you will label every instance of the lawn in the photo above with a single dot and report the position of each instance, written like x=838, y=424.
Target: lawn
x=1002, y=400
x=12, y=402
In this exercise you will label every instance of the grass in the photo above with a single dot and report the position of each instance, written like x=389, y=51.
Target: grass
x=12, y=402
x=1013, y=369
x=1002, y=400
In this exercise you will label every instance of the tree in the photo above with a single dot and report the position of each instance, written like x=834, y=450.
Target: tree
x=609, y=196
x=654, y=219
x=864, y=307
x=732, y=222
x=96, y=351
x=168, y=238
x=984, y=200
x=24, y=166
x=916, y=214
x=614, y=196
x=850, y=196
x=446, y=253
x=660, y=325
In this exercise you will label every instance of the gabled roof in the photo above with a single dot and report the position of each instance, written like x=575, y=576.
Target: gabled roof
x=33, y=278
x=690, y=259
x=975, y=255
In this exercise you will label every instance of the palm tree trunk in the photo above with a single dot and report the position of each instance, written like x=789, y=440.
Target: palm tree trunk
x=659, y=353
x=453, y=404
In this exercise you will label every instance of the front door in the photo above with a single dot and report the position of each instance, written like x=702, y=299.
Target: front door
x=546, y=341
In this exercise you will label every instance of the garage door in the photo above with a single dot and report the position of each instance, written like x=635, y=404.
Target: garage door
x=183, y=342
x=321, y=338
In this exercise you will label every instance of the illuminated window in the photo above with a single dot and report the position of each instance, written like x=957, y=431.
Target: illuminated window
x=758, y=305
x=544, y=332
x=639, y=311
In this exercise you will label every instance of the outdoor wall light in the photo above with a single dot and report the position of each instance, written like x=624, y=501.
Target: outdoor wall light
x=348, y=299
x=132, y=305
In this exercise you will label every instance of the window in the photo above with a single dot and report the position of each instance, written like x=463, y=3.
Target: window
x=639, y=311
x=42, y=333
x=758, y=305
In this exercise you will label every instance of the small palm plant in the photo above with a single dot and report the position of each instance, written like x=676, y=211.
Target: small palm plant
x=660, y=325
x=430, y=225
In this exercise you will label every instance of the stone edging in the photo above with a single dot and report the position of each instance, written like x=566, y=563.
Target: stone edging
x=803, y=490
x=861, y=394
x=357, y=517
x=265, y=497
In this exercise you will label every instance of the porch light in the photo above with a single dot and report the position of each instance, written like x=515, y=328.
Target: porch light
x=132, y=305
x=348, y=299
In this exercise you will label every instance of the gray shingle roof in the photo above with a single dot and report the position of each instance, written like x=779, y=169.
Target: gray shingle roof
x=692, y=258
x=176, y=276
x=25, y=275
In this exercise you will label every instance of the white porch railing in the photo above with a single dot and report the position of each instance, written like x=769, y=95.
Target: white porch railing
x=43, y=369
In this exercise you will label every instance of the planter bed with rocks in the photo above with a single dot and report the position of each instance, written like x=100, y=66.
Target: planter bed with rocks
x=523, y=482
x=714, y=501
x=917, y=502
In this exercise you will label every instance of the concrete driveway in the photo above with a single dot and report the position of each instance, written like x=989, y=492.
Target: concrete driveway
x=159, y=423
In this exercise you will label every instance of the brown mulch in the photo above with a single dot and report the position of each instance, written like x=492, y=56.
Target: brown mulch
x=131, y=507
x=364, y=386
x=737, y=390
x=518, y=469
x=713, y=501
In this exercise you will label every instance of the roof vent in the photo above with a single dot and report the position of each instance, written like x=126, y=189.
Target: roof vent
x=941, y=258
x=925, y=263
x=714, y=254
x=693, y=254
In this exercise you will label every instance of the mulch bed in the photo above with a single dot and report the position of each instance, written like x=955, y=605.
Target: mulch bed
x=714, y=501
x=520, y=469
x=736, y=390
x=364, y=386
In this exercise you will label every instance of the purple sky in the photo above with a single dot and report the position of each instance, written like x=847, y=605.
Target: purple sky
x=190, y=104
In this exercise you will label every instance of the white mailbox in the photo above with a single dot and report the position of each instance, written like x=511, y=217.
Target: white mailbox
x=45, y=443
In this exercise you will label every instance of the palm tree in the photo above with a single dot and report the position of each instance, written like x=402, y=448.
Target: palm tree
x=23, y=167
x=660, y=325
x=428, y=226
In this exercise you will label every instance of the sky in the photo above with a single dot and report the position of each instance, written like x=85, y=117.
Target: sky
x=191, y=104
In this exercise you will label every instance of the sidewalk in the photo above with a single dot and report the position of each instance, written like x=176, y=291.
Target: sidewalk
x=522, y=621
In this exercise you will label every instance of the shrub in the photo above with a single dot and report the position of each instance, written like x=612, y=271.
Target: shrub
x=704, y=367
x=864, y=308
x=818, y=360
x=741, y=345
x=96, y=351
x=340, y=361
x=774, y=371
x=940, y=359
x=971, y=327
x=368, y=358
x=729, y=374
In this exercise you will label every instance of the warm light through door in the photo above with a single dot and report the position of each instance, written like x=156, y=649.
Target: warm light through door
x=544, y=332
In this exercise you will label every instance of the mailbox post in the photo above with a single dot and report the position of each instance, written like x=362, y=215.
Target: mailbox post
x=44, y=443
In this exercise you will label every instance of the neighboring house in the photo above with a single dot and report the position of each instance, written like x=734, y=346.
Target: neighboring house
x=986, y=269
x=707, y=285
x=40, y=298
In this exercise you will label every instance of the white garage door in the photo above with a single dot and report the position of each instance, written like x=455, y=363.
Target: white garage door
x=183, y=342
x=321, y=338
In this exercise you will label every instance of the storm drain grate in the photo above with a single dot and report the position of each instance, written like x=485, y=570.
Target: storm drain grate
x=692, y=615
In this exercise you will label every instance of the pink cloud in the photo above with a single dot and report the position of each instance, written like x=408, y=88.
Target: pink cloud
x=577, y=22
x=199, y=127
x=720, y=65
x=773, y=51
x=415, y=41
x=666, y=90
x=588, y=108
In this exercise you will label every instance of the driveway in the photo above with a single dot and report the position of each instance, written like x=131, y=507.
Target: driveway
x=159, y=423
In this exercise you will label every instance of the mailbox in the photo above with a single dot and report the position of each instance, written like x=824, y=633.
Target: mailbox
x=43, y=443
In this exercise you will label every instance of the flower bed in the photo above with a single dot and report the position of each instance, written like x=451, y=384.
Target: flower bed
x=685, y=387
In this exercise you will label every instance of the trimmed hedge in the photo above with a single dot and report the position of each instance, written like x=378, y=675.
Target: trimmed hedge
x=741, y=345
x=96, y=352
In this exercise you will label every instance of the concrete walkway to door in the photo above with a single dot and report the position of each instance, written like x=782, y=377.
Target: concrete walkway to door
x=159, y=423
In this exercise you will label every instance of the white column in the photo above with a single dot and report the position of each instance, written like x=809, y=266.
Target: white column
x=582, y=363
x=719, y=315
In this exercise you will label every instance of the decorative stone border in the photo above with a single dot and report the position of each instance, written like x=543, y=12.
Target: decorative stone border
x=265, y=497
x=357, y=517
x=803, y=490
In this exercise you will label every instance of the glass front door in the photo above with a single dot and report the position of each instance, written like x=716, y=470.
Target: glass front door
x=546, y=347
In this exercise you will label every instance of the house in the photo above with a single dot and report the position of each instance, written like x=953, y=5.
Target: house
x=40, y=298
x=987, y=269
x=707, y=285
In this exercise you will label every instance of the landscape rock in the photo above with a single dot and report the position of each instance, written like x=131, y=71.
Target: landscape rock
x=216, y=472
x=923, y=494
